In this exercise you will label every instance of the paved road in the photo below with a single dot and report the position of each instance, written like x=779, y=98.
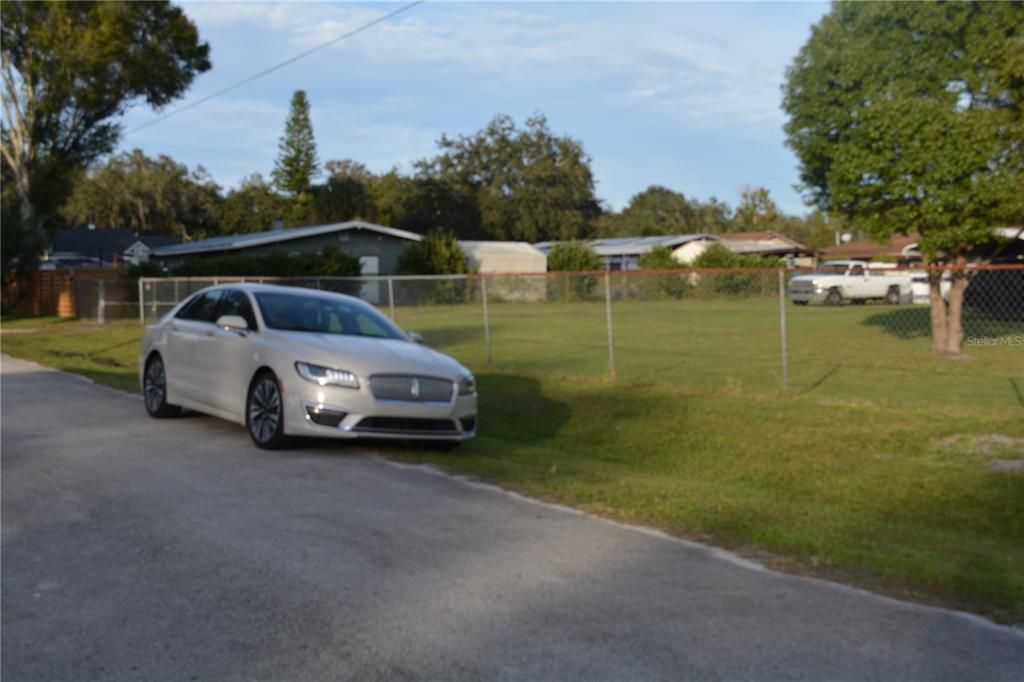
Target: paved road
x=136, y=549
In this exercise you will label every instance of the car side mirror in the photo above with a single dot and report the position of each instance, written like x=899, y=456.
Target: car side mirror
x=233, y=323
x=416, y=337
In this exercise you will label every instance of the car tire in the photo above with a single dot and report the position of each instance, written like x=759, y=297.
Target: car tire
x=835, y=297
x=154, y=390
x=264, y=412
x=892, y=296
x=799, y=302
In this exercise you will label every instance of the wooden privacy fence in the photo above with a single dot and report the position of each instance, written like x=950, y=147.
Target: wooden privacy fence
x=71, y=293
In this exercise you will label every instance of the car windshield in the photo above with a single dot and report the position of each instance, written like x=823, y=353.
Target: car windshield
x=322, y=315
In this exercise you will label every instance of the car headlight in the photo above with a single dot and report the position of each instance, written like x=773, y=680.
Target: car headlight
x=326, y=376
x=467, y=385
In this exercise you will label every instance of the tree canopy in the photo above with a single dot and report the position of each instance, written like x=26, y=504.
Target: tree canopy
x=527, y=184
x=149, y=195
x=910, y=117
x=69, y=70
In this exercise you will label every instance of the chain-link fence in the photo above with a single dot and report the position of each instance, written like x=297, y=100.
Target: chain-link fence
x=763, y=332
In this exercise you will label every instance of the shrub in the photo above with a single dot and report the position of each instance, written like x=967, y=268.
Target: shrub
x=731, y=283
x=438, y=253
x=573, y=257
x=672, y=286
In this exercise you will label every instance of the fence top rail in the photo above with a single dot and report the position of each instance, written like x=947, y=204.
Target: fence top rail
x=229, y=279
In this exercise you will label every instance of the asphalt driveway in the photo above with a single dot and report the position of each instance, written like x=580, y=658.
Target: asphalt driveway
x=136, y=549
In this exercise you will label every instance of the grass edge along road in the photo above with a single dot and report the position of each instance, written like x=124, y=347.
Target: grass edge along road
x=901, y=500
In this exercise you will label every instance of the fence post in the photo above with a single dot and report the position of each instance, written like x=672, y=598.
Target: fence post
x=391, y=297
x=608, y=315
x=101, y=302
x=487, y=320
x=782, y=329
x=142, y=304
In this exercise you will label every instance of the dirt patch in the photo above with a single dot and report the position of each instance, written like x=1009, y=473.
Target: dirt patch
x=1007, y=465
x=984, y=445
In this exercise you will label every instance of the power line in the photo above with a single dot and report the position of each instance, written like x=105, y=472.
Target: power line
x=276, y=67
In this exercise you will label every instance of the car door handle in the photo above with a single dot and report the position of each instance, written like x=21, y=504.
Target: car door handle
x=209, y=332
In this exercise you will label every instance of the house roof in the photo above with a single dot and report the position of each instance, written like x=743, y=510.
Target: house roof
x=92, y=243
x=635, y=246
x=865, y=248
x=235, y=242
x=767, y=236
x=760, y=246
x=157, y=241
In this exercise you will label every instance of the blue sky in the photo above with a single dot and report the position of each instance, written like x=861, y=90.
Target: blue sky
x=684, y=95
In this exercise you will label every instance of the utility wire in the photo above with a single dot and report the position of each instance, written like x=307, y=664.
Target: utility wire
x=276, y=67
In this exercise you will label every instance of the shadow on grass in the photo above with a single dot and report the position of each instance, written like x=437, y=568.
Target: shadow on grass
x=905, y=323
x=915, y=323
x=449, y=336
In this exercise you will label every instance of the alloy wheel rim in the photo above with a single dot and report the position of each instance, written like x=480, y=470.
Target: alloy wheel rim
x=155, y=382
x=265, y=410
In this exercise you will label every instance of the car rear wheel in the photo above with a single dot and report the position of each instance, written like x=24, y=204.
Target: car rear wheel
x=835, y=297
x=154, y=390
x=892, y=297
x=264, y=412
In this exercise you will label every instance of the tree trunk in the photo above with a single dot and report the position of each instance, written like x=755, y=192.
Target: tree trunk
x=938, y=310
x=947, y=317
x=954, y=318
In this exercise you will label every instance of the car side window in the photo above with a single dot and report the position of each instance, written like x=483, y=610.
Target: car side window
x=235, y=302
x=202, y=308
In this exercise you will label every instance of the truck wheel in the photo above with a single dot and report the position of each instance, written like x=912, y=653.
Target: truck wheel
x=892, y=297
x=835, y=297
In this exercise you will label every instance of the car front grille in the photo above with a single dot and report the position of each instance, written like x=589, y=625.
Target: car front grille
x=407, y=426
x=411, y=388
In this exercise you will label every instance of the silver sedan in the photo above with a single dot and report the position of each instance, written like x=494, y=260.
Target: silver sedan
x=298, y=362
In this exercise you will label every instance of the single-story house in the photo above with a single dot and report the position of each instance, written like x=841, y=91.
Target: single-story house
x=377, y=247
x=623, y=253
x=89, y=247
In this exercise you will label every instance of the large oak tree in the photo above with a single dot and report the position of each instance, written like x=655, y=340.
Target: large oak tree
x=909, y=117
x=70, y=69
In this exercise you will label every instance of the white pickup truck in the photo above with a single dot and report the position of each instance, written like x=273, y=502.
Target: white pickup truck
x=850, y=280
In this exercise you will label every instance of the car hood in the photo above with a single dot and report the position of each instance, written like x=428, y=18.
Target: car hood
x=365, y=355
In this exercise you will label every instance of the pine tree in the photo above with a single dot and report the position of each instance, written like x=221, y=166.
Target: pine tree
x=297, y=164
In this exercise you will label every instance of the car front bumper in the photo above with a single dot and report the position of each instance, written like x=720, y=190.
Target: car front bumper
x=816, y=295
x=337, y=412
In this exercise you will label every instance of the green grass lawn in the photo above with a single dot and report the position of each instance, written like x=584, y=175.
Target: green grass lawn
x=874, y=468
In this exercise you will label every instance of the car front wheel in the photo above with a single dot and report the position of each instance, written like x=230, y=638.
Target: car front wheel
x=154, y=390
x=264, y=412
